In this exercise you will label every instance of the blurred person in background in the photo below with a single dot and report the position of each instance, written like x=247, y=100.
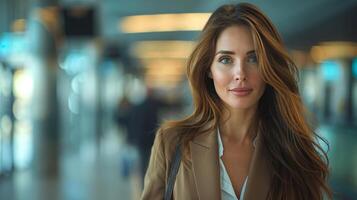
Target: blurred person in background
x=141, y=121
x=247, y=137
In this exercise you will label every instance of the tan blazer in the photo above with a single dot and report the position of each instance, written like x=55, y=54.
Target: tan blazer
x=199, y=176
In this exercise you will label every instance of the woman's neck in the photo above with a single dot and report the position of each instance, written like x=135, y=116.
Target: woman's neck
x=236, y=125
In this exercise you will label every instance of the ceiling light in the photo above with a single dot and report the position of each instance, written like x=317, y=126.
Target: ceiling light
x=333, y=50
x=19, y=25
x=164, y=22
x=162, y=49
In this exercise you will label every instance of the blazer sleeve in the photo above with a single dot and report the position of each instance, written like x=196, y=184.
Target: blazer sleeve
x=155, y=181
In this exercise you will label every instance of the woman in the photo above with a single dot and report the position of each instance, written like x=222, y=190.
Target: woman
x=247, y=137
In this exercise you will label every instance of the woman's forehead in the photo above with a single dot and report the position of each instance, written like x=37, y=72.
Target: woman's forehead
x=237, y=38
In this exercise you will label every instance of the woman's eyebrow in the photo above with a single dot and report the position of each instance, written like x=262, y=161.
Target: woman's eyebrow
x=251, y=52
x=225, y=52
x=232, y=52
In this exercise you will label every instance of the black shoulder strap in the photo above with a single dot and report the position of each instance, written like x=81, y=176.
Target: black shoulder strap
x=173, y=172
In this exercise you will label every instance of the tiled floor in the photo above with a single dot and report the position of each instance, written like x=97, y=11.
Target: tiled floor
x=82, y=177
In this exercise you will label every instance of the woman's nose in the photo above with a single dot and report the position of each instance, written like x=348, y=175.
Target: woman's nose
x=239, y=72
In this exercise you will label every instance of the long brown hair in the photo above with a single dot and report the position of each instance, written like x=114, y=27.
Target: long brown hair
x=299, y=164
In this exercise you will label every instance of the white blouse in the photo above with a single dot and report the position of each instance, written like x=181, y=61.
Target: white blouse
x=227, y=191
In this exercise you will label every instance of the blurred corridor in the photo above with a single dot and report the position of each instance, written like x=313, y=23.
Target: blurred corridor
x=85, y=83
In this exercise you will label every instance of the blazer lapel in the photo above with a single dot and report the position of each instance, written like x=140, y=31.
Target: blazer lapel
x=259, y=174
x=204, y=152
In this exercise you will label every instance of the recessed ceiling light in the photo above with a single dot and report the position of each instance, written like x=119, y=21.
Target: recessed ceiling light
x=163, y=22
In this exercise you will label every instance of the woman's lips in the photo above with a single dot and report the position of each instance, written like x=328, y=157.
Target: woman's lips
x=241, y=91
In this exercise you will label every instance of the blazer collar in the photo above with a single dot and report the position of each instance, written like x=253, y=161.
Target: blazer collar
x=205, y=162
x=204, y=153
x=259, y=175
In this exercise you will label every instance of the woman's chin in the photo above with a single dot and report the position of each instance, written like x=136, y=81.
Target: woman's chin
x=241, y=105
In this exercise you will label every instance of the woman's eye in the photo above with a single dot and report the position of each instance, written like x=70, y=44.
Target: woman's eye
x=225, y=60
x=252, y=59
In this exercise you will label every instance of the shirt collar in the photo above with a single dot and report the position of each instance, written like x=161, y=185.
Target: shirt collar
x=220, y=143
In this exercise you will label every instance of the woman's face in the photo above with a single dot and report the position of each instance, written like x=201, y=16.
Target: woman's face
x=234, y=70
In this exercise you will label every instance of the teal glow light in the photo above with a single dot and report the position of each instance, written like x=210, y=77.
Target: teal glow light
x=354, y=67
x=331, y=70
x=12, y=44
x=5, y=45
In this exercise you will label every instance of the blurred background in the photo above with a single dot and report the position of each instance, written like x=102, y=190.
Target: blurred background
x=85, y=83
